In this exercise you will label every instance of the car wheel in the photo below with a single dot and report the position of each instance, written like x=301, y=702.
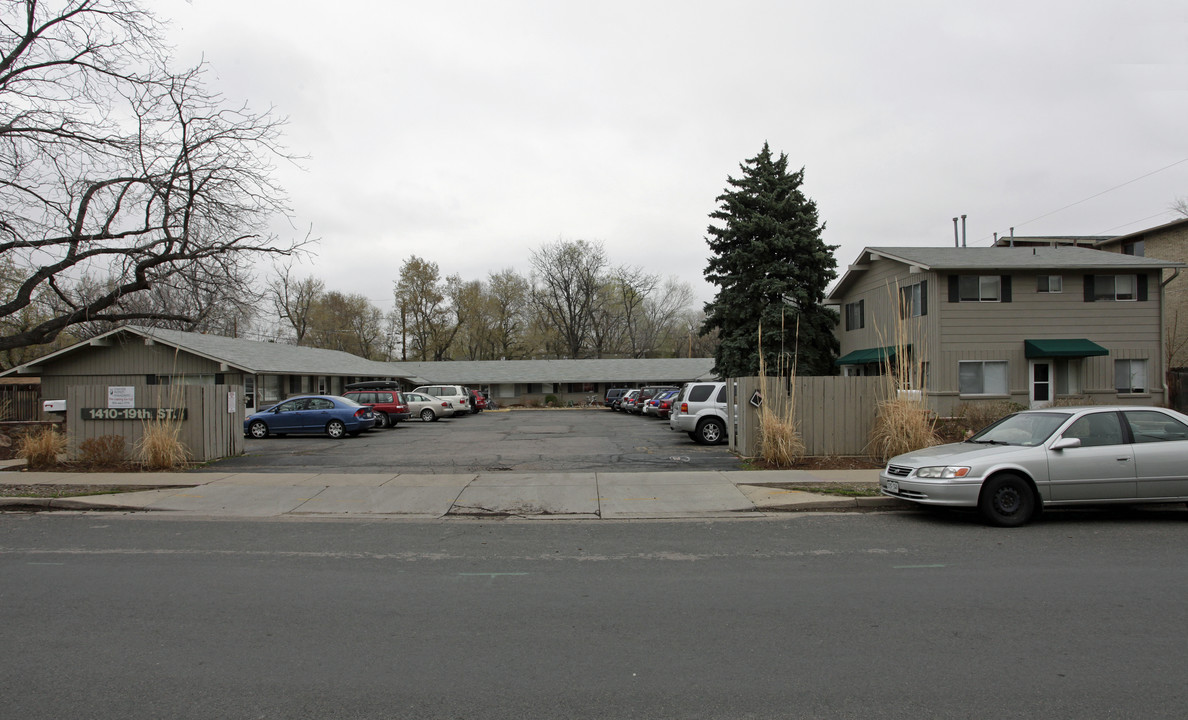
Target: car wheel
x=710, y=431
x=1007, y=501
x=258, y=429
x=428, y=415
x=335, y=429
x=382, y=421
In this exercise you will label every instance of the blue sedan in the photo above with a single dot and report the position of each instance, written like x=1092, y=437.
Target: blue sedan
x=310, y=414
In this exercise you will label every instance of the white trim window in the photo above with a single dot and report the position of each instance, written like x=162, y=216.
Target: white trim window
x=980, y=288
x=1049, y=284
x=1130, y=377
x=982, y=377
x=1115, y=287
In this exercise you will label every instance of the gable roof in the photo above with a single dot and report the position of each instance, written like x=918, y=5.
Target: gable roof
x=996, y=259
x=254, y=357
x=1142, y=233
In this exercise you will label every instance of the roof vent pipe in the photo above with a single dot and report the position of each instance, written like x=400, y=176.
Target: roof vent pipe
x=956, y=239
x=962, y=231
x=1012, y=237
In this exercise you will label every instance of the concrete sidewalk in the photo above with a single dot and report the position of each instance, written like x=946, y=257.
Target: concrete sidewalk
x=586, y=495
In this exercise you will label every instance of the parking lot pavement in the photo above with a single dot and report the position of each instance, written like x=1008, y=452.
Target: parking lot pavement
x=517, y=441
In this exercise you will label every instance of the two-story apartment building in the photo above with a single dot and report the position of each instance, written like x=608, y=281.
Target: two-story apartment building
x=1026, y=324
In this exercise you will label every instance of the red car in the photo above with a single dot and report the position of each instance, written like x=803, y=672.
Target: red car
x=387, y=404
x=479, y=403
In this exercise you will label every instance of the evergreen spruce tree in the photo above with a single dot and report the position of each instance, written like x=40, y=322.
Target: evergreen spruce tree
x=768, y=257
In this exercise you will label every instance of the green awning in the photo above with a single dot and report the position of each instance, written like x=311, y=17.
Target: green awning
x=869, y=355
x=1062, y=348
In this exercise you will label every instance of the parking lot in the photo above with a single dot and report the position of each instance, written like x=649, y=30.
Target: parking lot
x=514, y=441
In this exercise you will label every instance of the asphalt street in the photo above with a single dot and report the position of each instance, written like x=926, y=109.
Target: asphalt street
x=518, y=441
x=890, y=615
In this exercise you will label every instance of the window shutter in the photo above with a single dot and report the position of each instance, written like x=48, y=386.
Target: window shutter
x=1005, y=290
x=954, y=288
x=1142, y=287
x=1088, y=288
x=923, y=297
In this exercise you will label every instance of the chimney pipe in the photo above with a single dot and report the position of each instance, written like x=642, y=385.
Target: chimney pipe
x=996, y=239
x=1012, y=237
x=956, y=239
x=962, y=231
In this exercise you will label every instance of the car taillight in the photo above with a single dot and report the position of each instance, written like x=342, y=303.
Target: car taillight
x=445, y=404
x=361, y=412
x=684, y=407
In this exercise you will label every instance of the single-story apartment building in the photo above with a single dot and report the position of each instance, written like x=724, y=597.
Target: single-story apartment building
x=269, y=372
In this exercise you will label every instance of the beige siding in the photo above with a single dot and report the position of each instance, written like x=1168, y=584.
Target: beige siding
x=879, y=287
x=209, y=431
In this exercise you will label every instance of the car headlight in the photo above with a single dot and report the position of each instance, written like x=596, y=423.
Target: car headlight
x=943, y=473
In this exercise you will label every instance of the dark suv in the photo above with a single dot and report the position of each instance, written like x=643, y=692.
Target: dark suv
x=613, y=395
x=383, y=399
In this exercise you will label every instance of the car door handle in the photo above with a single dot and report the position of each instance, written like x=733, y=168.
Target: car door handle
x=1123, y=459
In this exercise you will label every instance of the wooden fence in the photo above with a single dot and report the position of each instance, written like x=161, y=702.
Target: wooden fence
x=20, y=403
x=211, y=419
x=833, y=414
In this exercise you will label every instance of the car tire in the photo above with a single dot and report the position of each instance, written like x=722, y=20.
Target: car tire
x=382, y=420
x=427, y=415
x=335, y=429
x=1007, y=500
x=258, y=430
x=710, y=431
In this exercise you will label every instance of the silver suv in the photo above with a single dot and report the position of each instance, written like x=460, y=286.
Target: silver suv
x=456, y=394
x=700, y=410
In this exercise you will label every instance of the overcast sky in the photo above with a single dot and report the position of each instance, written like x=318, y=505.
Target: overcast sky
x=469, y=133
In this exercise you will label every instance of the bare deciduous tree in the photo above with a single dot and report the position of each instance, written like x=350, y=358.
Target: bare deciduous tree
x=294, y=299
x=567, y=277
x=120, y=171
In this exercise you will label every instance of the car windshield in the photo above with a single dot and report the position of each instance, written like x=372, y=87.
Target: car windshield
x=1026, y=429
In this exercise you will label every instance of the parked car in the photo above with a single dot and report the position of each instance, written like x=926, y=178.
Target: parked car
x=665, y=403
x=612, y=397
x=700, y=411
x=310, y=414
x=477, y=400
x=652, y=405
x=459, y=395
x=431, y=409
x=388, y=405
x=627, y=401
x=1036, y=459
x=645, y=394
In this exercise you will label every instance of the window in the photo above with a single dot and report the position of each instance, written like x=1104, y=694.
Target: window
x=1068, y=376
x=980, y=288
x=913, y=300
x=1138, y=249
x=1152, y=426
x=1049, y=284
x=1130, y=376
x=982, y=377
x=700, y=393
x=1096, y=430
x=1100, y=288
x=855, y=318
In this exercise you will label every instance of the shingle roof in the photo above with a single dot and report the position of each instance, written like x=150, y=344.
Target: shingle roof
x=994, y=259
x=267, y=358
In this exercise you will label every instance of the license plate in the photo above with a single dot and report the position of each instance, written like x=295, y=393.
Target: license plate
x=891, y=486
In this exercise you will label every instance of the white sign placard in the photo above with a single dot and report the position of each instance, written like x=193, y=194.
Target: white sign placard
x=121, y=397
x=231, y=402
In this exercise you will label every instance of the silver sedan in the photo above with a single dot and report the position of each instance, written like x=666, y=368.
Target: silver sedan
x=1058, y=456
x=428, y=407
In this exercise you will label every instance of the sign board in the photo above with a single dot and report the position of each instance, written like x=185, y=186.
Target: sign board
x=134, y=414
x=121, y=396
x=756, y=399
x=231, y=402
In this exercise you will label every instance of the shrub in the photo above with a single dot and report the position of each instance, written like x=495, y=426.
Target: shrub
x=40, y=449
x=550, y=400
x=779, y=441
x=901, y=425
x=103, y=451
x=973, y=416
x=160, y=448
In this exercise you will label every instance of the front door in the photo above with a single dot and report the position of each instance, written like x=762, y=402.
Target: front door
x=1041, y=383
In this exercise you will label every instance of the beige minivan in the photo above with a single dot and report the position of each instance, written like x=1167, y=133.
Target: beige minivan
x=459, y=395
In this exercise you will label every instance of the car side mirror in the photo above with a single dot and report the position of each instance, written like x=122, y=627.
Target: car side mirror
x=1066, y=443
